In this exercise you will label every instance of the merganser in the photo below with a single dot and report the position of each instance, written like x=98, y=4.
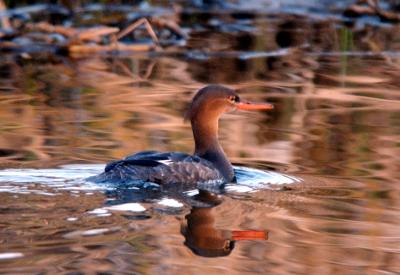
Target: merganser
x=208, y=164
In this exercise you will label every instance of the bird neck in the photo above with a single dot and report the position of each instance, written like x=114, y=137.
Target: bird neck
x=205, y=133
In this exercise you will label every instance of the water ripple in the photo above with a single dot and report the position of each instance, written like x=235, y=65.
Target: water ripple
x=72, y=177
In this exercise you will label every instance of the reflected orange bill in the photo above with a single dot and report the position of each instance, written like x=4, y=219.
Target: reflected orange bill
x=238, y=235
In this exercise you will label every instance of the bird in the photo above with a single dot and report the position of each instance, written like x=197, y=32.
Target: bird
x=202, y=235
x=208, y=164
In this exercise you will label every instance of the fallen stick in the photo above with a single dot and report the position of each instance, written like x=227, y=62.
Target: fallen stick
x=135, y=25
x=46, y=27
x=91, y=34
x=358, y=10
x=388, y=16
x=86, y=49
x=8, y=45
x=169, y=24
x=371, y=7
x=5, y=21
x=80, y=49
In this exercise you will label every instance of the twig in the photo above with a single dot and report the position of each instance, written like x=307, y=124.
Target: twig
x=8, y=45
x=46, y=27
x=86, y=49
x=135, y=25
x=371, y=7
x=389, y=16
x=149, y=69
x=169, y=24
x=5, y=21
x=358, y=10
x=123, y=67
x=91, y=34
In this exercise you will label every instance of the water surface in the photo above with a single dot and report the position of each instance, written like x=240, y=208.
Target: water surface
x=330, y=150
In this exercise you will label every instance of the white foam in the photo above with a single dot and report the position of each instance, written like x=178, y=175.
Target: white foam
x=238, y=188
x=251, y=180
x=104, y=215
x=131, y=207
x=91, y=232
x=89, y=167
x=38, y=192
x=98, y=211
x=10, y=255
x=96, y=231
x=170, y=203
x=72, y=178
x=68, y=177
x=251, y=176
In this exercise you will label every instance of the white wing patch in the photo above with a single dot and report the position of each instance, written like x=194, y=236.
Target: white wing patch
x=166, y=162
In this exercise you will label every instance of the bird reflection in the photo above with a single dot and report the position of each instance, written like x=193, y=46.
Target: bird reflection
x=201, y=235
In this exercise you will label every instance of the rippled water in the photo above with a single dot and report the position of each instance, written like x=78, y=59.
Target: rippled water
x=320, y=173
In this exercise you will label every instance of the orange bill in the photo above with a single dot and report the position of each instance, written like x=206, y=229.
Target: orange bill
x=250, y=106
x=239, y=235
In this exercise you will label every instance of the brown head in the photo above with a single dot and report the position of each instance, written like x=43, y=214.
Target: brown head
x=207, y=106
x=214, y=100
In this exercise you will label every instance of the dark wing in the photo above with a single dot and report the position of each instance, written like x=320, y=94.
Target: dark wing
x=161, y=168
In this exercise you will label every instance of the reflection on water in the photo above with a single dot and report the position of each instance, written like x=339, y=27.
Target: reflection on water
x=204, y=239
x=330, y=150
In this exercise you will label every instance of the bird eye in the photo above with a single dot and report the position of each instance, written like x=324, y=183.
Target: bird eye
x=227, y=245
x=232, y=99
